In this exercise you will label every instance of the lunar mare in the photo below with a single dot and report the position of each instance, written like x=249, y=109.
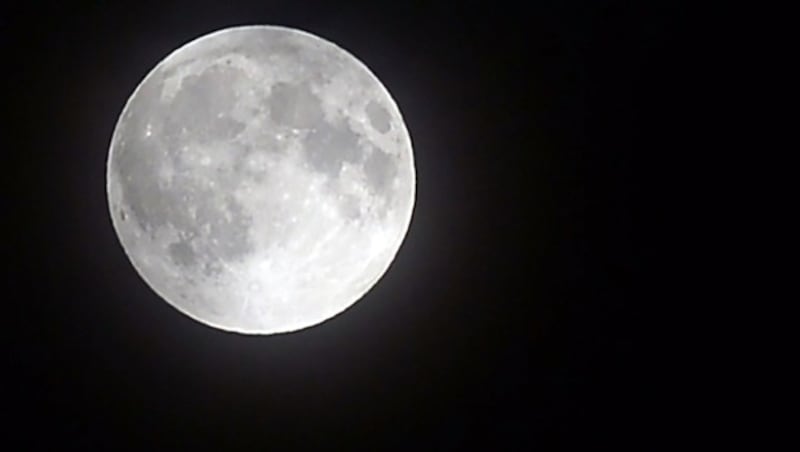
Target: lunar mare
x=260, y=179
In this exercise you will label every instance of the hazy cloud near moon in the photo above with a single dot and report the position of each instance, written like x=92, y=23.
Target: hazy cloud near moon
x=261, y=179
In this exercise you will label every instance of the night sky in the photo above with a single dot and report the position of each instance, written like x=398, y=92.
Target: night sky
x=521, y=313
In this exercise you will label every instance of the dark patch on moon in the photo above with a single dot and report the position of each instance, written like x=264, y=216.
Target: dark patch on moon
x=219, y=227
x=380, y=169
x=228, y=235
x=350, y=207
x=199, y=109
x=294, y=105
x=182, y=254
x=217, y=233
x=328, y=146
x=379, y=118
x=136, y=164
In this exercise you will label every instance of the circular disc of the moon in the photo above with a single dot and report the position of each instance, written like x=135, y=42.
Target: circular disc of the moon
x=260, y=179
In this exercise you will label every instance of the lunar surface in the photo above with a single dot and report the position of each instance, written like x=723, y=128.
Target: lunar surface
x=260, y=179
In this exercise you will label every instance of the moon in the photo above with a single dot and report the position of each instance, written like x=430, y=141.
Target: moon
x=260, y=179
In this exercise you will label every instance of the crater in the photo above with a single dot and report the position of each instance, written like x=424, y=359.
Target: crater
x=378, y=117
x=212, y=268
x=253, y=163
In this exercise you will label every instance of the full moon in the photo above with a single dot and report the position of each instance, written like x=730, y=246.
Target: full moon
x=260, y=179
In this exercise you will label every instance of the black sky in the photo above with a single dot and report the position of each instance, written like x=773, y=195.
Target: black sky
x=521, y=310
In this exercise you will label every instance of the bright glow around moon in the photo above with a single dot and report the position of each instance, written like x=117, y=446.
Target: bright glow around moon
x=261, y=179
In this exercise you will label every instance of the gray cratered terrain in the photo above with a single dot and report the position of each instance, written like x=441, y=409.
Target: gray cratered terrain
x=261, y=179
